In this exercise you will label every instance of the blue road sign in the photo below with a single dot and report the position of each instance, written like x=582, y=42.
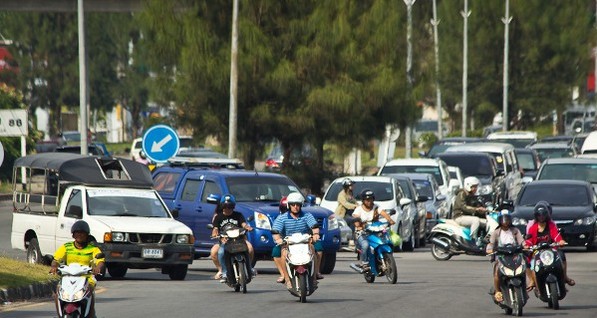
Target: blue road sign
x=160, y=143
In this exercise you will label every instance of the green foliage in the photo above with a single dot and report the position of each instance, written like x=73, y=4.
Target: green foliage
x=427, y=139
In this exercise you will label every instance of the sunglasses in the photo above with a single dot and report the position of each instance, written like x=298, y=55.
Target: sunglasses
x=294, y=204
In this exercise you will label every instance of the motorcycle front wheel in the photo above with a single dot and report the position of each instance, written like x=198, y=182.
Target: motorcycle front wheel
x=553, y=294
x=242, y=277
x=390, y=264
x=303, y=288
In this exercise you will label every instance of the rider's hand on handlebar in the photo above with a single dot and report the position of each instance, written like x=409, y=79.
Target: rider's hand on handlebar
x=562, y=243
x=53, y=270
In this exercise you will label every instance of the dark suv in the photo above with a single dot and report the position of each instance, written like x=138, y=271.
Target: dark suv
x=186, y=190
x=480, y=165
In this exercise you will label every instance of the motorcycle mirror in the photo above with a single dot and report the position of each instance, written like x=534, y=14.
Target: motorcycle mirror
x=47, y=259
x=100, y=255
x=210, y=226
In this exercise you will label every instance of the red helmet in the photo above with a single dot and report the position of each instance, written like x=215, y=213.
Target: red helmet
x=283, y=204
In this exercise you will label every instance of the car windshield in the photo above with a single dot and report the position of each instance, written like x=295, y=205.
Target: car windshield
x=470, y=165
x=383, y=190
x=526, y=161
x=554, y=153
x=433, y=170
x=437, y=149
x=260, y=188
x=424, y=188
x=556, y=194
x=125, y=202
x=516, y=142
x=572, y=171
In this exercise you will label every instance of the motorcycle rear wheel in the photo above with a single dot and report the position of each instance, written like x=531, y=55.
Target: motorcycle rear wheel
x=391, y=272
x=438, y=253
x=303, y=288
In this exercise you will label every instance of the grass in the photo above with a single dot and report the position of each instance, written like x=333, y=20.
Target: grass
x=15, y=273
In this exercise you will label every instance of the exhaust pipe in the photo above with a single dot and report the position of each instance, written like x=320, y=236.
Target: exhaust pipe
x=356, y=268
x=443, y=245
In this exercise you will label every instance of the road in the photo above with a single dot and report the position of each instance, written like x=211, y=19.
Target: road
x=426, y=288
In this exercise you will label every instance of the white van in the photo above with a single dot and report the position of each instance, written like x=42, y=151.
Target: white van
x=589, y=146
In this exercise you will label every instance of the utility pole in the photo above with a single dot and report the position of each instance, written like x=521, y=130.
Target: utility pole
x=465, y=14
x=506, y=21
x=82, y=78
x=409, y=76
x=232, y=121
x=438, y=92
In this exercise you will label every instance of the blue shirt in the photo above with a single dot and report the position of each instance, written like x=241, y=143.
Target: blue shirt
x=286, y=225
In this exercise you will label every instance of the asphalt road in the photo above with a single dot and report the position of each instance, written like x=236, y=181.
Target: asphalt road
x=425, y=288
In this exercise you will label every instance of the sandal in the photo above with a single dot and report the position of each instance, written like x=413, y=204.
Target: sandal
x=319, y=276
x=570, y=282
x=530, y=287
x=289, y=286
x=498, y=296
x=218, y=275
x=280, y=280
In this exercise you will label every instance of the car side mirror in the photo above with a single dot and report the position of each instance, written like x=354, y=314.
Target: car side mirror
x=213, y=198
x=422, y=154
x=526, y=180
x=440, y=197
x=391, y=211
x=405, y=202
x=422, y=198
x=175, y=213
x=500, y=173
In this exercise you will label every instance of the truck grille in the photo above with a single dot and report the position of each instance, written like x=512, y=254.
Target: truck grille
x=149, y=238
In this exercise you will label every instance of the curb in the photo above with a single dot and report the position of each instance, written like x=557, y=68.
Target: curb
x=35, y=290
x=5, y=196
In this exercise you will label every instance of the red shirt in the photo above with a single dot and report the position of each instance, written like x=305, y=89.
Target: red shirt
x=549, y=235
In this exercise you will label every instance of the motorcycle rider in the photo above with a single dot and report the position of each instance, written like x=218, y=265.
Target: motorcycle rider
x=295, y=221
x=364, y=215
x=227, y=216
x=545, y=230
x=346, y=204
x=464, y=213
x=80, y=251
x=505, y=234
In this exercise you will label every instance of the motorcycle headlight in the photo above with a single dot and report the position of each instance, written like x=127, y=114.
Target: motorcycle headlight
x=546, y=257
x=519, y=221
x=233, y=233
x=262, y=221
x=506, y=271
x=485, y=189
x=332, y=223
x=74, y=297
x=520, y=269
x=589, y=220
x=183, y=239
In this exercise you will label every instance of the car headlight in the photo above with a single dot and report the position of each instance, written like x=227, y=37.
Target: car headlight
x=183, y=239
x=485, y=189
x=519, y=221
x=332, y=223
x=546, y=257
x=118, y=237
x=262, y=221
x=589, y=220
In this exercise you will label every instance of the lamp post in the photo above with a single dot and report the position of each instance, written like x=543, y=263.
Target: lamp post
x=506, y=20
x=465, y=14
x=438, y=92
x=409, y=76
x=232, y=120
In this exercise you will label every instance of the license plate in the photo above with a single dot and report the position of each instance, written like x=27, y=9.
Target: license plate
x=152, y=253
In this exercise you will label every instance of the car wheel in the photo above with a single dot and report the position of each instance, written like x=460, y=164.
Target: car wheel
x=33, y=252
x=328, y=262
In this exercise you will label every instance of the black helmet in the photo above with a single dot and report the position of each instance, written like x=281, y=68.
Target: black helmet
x=80, y=226
x=347, y=183
x=542, y=208
x=367, y=194
x=504, y=215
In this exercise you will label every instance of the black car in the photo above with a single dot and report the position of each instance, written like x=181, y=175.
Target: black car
x=480, y=165
x=441, y=145
x=574, y=207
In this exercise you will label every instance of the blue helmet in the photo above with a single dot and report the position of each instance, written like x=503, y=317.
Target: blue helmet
x=228, y=201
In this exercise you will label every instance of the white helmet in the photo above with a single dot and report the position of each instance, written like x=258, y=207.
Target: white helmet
x=469, y=182
x=295, y=197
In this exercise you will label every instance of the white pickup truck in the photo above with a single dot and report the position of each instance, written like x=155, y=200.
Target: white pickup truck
x=129, y=221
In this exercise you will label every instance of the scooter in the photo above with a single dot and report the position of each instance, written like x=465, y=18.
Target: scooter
x=236, y=257
x=300, y=266
x=511, y=265
x=549, y=272
x=448, y=238
x=381, y=259
x=75, y=296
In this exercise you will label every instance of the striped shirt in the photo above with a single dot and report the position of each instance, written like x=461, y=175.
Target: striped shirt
x=286, y=225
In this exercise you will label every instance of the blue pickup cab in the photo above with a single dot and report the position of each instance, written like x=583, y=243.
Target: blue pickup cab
x=186, y=191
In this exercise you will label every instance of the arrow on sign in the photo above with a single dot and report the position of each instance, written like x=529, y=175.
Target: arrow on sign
x=157, y=146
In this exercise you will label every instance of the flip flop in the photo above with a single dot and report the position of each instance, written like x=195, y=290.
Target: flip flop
x=530, y=287
x=218, y=275
x=570, y=282
x=280, y=280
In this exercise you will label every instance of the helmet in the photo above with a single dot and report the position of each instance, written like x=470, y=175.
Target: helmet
x=347, y=183
x=283, y=204
x=542, y=208
x=294, y=197
x=80, y=226
x=469, y=182
x=367, y=194
x=228, y=201
x=504, y=215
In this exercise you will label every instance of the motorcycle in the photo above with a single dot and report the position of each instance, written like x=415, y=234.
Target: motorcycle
x=236, y=256
x=549, y=272
x=511, y=266
x=75, y=296
x=381, y=259
x=300, y=266
x=448, y=238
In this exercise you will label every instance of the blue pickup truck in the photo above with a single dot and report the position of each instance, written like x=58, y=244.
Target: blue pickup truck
x=186, y=191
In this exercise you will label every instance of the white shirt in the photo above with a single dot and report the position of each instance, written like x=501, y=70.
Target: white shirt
x=365, y=216
x=506, y=237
